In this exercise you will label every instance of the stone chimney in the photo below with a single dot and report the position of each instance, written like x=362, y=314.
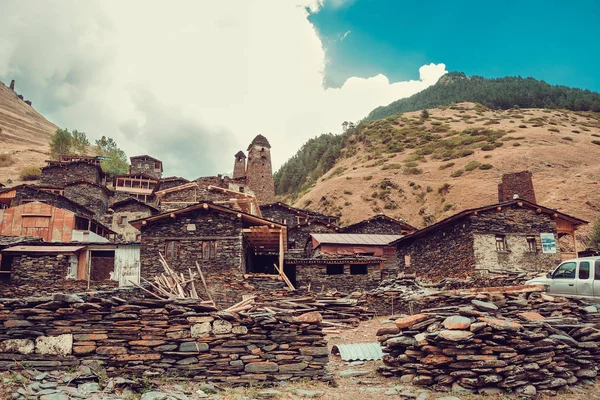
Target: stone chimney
x=516, y=185
x=12, y=85
x=239, y=166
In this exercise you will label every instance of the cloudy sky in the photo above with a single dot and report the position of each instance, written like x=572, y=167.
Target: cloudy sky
x=193, y=81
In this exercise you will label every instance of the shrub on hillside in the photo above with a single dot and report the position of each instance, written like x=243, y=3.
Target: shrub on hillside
x=412, y=171
x=488, y=147
x=6, y=160
x=554, y=129
x=457, y=173
x=30, y=174
x=485, y=166
x=447, y=165
x=596, y=142
x=472, y=165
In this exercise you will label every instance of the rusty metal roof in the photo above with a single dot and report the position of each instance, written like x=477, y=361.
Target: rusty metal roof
x=42, y=249
x=358, y=351
x=354, y=238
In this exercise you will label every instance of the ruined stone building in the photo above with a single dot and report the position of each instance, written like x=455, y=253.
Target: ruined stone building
x=146, y=165
x=90, y=195
x=516, y=185
x=239, y=166
x=128, y=210
x=291, y=216
x=59, y=173
x=382, y=225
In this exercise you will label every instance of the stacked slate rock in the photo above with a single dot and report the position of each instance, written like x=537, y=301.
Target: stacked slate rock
x=182, y=337
x=474, y=348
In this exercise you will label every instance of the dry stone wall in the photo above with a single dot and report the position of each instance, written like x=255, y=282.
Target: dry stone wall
x=183, y=337
x=38, y=270
x=61, y=174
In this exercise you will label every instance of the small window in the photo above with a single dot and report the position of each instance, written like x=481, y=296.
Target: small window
x=172, y=249
x=121, y=219
x=565, y=271
x=531, y=244
x=597, y=270
x=241, y=189
x=407, y=260
x=209, y=250
x=359, y=269
x=584, y=270
x=335, y=270
x=501, y=244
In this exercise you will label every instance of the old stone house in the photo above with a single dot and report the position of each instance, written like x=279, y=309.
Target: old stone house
x=299, y=234
x=128, y=210
x=170, y=182
x=291, y=216
x=222, y=240
x=60, y=173
x=51, y=223
x=380, y=224
x=138, y=185
x=22, y=194
x=146, y=165
x=512, y=235
x=90, y=195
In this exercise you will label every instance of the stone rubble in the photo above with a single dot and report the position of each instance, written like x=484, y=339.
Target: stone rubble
x=526, y=343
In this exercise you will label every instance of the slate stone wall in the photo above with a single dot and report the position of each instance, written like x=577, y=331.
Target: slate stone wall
x=259, y=173
x=280, y=214
x=191, y=230
x=180, y=338
x=316, y=276
x=171, y=184
x=62, y=174
x=123, y=214
x=377, y=227
x=38, y=270
x=90, y=196
x=520, y=183
x=446, y=252
x=144, y=166
x=27, y=194
x=298, y=235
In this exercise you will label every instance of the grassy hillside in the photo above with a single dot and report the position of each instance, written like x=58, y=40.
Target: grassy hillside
x=24, y=136
x=425, y=167
x=501, y=93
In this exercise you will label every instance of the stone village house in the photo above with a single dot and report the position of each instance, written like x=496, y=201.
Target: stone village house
x=380, y=224
x=515, y=234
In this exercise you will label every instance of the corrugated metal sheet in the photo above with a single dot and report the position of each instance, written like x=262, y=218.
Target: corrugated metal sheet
x=42, y=249
x=354, y=238
x=358, y=351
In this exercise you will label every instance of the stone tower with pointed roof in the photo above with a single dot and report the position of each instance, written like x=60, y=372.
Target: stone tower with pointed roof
x=239, y=166
x=259, y=172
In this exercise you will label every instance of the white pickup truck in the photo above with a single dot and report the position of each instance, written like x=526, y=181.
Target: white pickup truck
x=579, y=277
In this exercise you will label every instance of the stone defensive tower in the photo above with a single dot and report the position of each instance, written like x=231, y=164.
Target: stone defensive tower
x=518, y=184
x=239, y=167
x=259, y=173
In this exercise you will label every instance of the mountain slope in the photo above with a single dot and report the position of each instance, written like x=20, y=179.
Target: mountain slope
x=424, y=169
x=501, y=93
x=24, y=135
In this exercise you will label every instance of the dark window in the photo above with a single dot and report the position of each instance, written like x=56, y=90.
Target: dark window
x=209, y=250
x=172, y=249
x=335, y=270
x=565, y=271
x=584, y=270
x=531, y=244
x=359, y=269
x=501, y=244
x=597, y=270
x=241, y=189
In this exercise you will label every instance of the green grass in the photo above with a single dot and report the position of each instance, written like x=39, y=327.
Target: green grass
x=485, y=166
x=447, y=165
x=391, y=166
x=30, y=174
x=457, y=173
x=472, y=165
x=412, y=171
x=349, y=192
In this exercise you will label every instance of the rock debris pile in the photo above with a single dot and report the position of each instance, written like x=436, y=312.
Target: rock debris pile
x=527, y=343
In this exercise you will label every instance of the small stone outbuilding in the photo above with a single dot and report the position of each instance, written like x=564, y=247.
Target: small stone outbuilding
x=129, y=210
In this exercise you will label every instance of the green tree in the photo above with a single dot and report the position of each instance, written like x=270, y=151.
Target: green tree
x=424, y=114
x=594, y=240
x=80, y=142
x=60, y=143
x=115, y=159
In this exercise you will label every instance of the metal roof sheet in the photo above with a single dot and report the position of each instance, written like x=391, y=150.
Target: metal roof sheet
x=358, y=351
x=42, y=249
x=355, y=238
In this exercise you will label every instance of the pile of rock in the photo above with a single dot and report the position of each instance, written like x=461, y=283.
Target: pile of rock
x=184, y=337
x=476, y=348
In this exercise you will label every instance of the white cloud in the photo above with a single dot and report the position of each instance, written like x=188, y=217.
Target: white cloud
x=345, y=35
x=191, y=82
